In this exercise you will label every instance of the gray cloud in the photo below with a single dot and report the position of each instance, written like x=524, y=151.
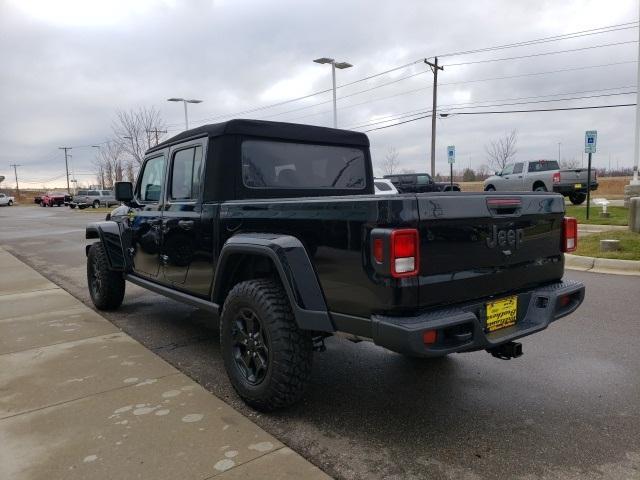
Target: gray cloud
x=61, y=83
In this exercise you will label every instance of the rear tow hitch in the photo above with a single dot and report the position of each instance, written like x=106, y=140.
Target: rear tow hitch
x=507, y=351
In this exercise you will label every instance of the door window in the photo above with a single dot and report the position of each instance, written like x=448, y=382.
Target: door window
x=517, y=168
x=94, y=193
x=508, y=170
x=150, y=184
x=186, y=174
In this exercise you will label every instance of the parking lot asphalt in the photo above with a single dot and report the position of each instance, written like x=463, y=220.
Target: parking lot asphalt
x=569, y=408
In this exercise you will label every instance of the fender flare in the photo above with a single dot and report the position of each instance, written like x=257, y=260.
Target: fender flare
x=109, y=234
x=296, y=272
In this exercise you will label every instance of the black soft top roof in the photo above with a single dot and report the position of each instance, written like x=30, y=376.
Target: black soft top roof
x=279, y=130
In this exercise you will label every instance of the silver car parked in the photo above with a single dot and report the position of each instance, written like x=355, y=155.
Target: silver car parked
x=93, y=198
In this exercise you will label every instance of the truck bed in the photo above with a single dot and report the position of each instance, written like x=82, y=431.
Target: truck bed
x=458, y=260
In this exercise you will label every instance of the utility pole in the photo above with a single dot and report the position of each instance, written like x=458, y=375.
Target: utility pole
x=156, y=131
x=636, y=145
x=15, y=171
x=434, y=68
x=66, y=164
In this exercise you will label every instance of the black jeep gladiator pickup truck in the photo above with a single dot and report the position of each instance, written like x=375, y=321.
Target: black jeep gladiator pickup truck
x=275, y=229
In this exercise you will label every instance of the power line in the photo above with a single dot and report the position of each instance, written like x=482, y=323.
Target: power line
x=465, y=106
x=444, y=84
x=512, y=111
x=607, y=29
x=540, y=54
x=388, y=118
x=553, y=38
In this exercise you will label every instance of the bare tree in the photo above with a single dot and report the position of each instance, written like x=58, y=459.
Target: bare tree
x=390, y=163
x=136, y=131
x=502, y=150
x=110, y=163
x=482, y=171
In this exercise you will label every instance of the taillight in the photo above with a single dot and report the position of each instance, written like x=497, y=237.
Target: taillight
x=556, y=177
x=569, y=234
x=404, y=252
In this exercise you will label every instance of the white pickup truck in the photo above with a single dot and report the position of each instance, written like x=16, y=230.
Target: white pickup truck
x=542, y=176
x=6, y=200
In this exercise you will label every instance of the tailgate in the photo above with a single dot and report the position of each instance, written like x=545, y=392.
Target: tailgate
x=478, y=245
x=573, y=176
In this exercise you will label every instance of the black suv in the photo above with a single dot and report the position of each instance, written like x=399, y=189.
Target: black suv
x=274, y=229
x=420, y=183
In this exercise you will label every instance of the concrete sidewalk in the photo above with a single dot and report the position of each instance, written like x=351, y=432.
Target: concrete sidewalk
x=80, y=399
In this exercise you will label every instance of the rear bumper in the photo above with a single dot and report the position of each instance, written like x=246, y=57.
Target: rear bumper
x=569, y=189
x=462, y=328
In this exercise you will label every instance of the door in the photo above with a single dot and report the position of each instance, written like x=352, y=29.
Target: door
x=185, y=259
x=146, y=221
x=517, y=177
x=503, y=182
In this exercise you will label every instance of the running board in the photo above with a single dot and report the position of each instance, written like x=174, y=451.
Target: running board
x=174, y=294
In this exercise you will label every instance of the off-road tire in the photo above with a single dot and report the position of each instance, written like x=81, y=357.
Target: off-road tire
x=290, y=349
x=106, y=287
x=577, y=198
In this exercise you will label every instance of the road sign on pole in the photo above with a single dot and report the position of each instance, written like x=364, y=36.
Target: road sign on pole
x=590, y=140
x=451, y=158
x=451, y=154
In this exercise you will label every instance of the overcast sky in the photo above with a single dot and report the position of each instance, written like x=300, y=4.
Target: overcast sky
x=69, y=65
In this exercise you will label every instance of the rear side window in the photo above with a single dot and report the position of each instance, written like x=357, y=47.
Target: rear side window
x=94, y=193
x=185, y=174
x=284, y=165
x=383, y=187
x=151, y=180
x=106, y=192
x=543, y=165
x=82, y=192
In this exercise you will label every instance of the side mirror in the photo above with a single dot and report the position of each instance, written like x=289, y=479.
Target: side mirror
x=497, y=174
x=124, y=191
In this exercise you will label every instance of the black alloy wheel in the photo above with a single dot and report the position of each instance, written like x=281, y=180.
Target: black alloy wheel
x=250, y=346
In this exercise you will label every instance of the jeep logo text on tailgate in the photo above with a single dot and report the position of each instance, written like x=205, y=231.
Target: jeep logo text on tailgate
x=505, y=238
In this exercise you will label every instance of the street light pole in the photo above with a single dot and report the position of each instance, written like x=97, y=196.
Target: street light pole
x=559, y=143
x=636, y=145
x=184, y=101
x=334, y=65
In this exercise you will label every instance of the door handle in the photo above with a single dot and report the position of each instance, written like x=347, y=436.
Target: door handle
x=186, y=224
x=519, y=176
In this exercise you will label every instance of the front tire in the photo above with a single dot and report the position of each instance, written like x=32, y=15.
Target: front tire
x=96, y=204
x=10, y=203
x=266, y=356
x=106, y=286
x=577, y=198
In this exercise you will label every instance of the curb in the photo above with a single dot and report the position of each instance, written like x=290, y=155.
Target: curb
x=601, y=265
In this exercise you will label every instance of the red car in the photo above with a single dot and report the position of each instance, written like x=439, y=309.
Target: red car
x=50, y=199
